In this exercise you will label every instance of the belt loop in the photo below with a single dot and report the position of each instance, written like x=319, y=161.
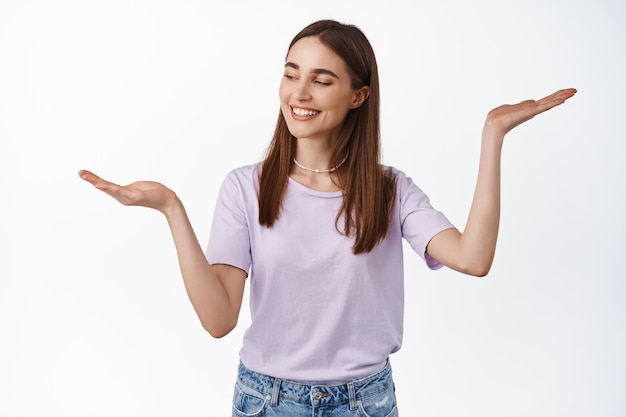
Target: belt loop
x=275, y=392
x=352, y=396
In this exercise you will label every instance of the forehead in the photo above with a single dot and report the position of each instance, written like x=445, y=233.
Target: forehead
x=310, y=53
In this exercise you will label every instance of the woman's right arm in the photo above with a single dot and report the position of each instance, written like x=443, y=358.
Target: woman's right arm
x=216, y=292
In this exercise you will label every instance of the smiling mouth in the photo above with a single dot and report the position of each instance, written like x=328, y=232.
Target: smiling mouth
x=303, y=112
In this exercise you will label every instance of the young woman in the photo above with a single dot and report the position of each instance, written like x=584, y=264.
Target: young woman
x=318, y=226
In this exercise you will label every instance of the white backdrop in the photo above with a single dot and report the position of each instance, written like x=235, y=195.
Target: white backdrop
x=94, y=320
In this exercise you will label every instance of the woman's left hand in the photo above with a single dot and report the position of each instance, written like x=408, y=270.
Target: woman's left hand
x=506, y=117
x=473, y=250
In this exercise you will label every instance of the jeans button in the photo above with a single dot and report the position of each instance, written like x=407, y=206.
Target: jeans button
x=319, y=395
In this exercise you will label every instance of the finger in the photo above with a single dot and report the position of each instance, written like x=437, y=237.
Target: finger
x=125, y=195
x=560, y=96
x=84, y=174
x=95, y=180
x=563, y=95
x=89, y=176
x=554, y=100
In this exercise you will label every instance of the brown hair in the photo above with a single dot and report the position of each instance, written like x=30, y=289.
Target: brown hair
x=367, y=188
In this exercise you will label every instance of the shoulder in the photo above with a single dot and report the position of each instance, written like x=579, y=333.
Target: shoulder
x=244, y=176
x=240, y=182
x=399, y=177
x=246, y=171
x=406, y=188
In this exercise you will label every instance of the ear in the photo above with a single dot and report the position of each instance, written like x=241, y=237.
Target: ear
x=360, y=96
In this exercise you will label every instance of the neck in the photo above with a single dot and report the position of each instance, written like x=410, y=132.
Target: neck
x=318, y=170
x=313, y=155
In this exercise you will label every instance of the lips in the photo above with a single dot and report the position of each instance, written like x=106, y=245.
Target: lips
x=298, y=111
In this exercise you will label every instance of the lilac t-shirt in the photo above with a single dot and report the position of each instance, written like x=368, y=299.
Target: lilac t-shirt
x=319, y=312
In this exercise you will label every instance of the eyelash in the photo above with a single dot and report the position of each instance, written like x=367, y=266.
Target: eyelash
x=292, y=78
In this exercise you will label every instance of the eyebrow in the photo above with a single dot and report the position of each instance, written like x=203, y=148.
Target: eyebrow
x=313, y=71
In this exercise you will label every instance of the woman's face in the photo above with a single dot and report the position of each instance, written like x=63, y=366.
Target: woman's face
x=316, y=92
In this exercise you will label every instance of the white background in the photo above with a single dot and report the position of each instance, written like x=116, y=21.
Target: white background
x=94, y=320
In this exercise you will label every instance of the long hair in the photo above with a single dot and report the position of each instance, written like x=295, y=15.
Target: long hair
x=368, y=190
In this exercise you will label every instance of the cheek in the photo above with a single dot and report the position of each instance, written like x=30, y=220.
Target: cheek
x=342, y=102
x=341, y=107
x=284, y=99
x=283, y=93
x=285, y=109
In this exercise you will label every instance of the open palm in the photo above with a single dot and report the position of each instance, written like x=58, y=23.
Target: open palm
x=141, y=193
x=506, y=117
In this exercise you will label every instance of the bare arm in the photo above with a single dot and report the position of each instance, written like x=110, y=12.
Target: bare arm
x=216, y=292
x=472, y=251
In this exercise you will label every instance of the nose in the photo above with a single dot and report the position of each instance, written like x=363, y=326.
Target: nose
x=303, y=92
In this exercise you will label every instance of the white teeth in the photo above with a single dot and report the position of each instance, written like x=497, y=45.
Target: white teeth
x=303, y=112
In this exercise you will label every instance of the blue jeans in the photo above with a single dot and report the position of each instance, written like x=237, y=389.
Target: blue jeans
x=262, y=395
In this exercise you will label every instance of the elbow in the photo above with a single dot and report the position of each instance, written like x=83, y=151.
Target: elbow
x=477, y=269
x=218, y=330
x=218, y=334
x=478, y=264
x=479, y=272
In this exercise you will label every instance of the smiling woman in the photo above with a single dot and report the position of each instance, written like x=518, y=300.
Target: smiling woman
x=317, y=227
x=316, y=92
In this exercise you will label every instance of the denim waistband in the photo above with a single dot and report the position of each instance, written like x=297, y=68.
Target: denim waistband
x=334, y=394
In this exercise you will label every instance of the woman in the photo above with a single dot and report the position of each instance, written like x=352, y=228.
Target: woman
x=318, y=224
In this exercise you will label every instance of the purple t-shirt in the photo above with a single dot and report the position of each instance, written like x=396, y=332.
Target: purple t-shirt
x=319, y=312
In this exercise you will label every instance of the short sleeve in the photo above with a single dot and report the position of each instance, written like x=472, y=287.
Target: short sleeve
x=229, y=240
x=420, y=222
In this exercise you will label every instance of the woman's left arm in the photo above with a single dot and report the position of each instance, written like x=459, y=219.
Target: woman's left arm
x=472, y=251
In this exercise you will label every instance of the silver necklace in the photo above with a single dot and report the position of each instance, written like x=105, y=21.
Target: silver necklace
x=320, y=171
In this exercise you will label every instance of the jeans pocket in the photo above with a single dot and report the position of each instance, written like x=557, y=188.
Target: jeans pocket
x=383, y=404
x=248, y=402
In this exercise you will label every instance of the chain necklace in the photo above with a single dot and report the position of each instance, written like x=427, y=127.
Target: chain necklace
x=320, y=171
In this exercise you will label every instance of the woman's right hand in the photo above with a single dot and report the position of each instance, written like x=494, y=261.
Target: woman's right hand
x=142, y=193
x=216, y=292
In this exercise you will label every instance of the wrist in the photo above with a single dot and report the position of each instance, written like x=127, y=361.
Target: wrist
x=492, y=136
x=173, y=206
